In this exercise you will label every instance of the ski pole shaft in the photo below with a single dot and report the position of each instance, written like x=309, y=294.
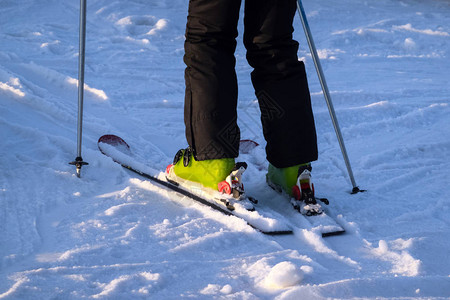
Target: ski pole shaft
x=326, y=92
x=81, y=59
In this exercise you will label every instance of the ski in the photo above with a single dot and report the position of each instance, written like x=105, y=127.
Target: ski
x=266, y=222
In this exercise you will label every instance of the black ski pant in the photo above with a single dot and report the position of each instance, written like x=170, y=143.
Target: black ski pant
x=278, y=77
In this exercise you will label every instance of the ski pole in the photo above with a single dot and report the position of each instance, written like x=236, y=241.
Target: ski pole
x=79, y=160
x=326, y=93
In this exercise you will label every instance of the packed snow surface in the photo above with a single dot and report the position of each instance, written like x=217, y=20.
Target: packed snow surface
x=112, y=235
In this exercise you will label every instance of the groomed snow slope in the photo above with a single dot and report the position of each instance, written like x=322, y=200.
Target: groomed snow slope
x=113, y=235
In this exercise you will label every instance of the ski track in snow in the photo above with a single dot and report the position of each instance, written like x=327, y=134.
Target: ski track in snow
x=112, y=235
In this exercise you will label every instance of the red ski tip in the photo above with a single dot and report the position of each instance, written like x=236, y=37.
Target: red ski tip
x=112, y=140
x=245, y=146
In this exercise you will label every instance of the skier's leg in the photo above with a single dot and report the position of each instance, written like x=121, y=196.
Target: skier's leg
x=211, y=84
x=280, y=82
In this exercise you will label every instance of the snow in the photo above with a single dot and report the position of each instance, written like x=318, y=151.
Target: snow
x=283, y=275
x=113, y=235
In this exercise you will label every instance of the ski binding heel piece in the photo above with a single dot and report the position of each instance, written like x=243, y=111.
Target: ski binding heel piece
x=303, y=192
x=232, y=185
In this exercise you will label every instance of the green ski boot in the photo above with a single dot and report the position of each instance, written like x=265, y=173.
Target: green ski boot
x=219, y=179
x=296, y=182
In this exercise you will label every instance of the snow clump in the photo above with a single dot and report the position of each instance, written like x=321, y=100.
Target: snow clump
x=283, y=275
